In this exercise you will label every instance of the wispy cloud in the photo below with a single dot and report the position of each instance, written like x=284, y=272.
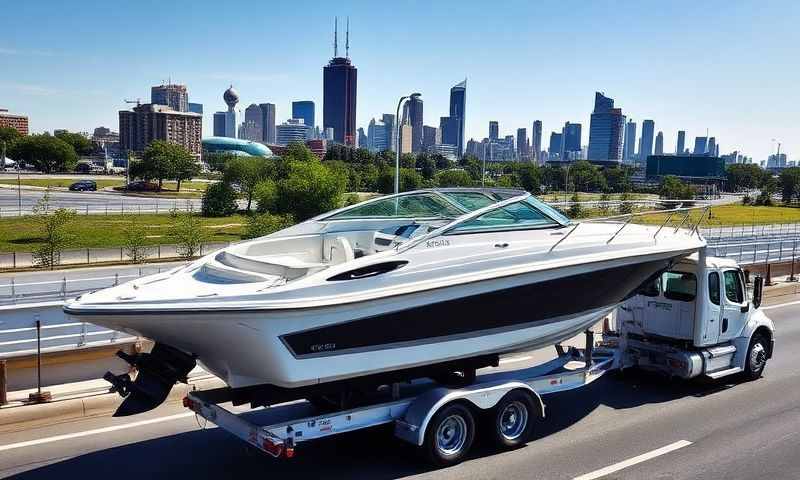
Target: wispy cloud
x=26, y=53
x=246, y=77
x=30, y=89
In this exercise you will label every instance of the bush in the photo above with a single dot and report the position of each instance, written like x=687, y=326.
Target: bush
x=187, y=232
x=747, y=200
x=265, y=194
x=576, y=209
x=262, y=224
x=454, y=178
x=134, y=240
x=351, y=199
x=219, y=200
x=309, y=189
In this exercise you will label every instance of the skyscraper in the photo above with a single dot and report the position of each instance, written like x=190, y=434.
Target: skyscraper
x=605, y=130
x=389, y=122
x=413, y=115
x=536, y=141
x=377, y=137
x=494, y=130
x=522, y=144
x=174, y=96
x=431, y=136
x=659, y=150
x=219, y=124
x=268, y=122
x=304, y=109
x=458, y=103
x=646, y=141
x=254, y=123
x=231, y=98
x=681, y=145
x=556, y=140
x=700, y=145
x=339, y=94
x=291, y=131
x=571, y=141
x=629, y=149
x=362, y=138
x=711, y=150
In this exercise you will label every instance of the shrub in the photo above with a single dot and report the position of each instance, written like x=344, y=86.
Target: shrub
x=309, y=189
x=576, y=209
x=187, y=232
x=454, y=178
x=262, y=224
x=265, y=194
x=134, y=240
x=219, y=200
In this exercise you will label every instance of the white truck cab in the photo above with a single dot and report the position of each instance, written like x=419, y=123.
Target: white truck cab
x=696, y=319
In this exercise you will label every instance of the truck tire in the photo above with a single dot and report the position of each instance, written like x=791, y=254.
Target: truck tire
x=513, y=419
x=756, y=358
x=449, y=435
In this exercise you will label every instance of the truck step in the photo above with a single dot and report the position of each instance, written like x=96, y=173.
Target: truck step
x=723, y=373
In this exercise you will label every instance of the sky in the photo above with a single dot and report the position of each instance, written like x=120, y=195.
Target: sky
x=727, y=66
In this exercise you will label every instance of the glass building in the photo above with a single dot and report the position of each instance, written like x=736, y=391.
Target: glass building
x=235, y=146
x=458, y=103
x=646, y=141
x=304, y=109
x=339, y=88
x=605, y=130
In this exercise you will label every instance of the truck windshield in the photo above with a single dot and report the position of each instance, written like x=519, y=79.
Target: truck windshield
x=679, y=286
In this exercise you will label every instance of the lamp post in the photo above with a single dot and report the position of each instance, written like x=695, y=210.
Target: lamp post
x=397, y=141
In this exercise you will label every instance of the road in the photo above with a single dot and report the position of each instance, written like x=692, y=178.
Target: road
x=716, y=430
x=91, y=202
x=47, y=285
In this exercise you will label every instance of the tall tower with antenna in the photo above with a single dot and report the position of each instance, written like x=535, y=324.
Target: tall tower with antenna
x=339, y=91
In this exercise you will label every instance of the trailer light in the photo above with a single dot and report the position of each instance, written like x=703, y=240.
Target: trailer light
x=289, y=452
x=272, y=448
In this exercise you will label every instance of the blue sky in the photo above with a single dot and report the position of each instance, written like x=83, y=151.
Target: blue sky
x=729, y=66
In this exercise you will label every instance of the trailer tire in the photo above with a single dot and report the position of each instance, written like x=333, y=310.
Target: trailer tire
x=449, y=435
x=513, y=418
x=756, y=359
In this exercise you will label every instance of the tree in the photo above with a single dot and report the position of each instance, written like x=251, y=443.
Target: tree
x=82, y=145
x=219, y=200
x=262, y=224
x=672, y=188
x=55, y=235
x=624, y=206
x=575, y=209
x=309, y=189
x=9, y=135
x=216, y=160
x=187, y=232
x=789, y=180
x=618, y=179
x=135, y=240
x=529, y=177
x=454, y=178
x=184, y=167
x=266, y=196
x=426, y=165
x=744, y=176
x=246, y=172
x=163, y=160
x=586, y=177
x=45, y=152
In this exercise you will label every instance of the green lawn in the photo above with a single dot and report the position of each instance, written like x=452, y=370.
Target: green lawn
x=60, y=182
x=726, y=215
x=101, y=231
x=590, y=197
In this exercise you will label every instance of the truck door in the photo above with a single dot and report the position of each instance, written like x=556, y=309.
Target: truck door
x=734, y=305
x=713, y=310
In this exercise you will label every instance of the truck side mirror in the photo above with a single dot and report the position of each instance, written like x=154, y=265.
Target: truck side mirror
x=758, y=289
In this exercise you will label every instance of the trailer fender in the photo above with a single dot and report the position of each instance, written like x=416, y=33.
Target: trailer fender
x=411, y=427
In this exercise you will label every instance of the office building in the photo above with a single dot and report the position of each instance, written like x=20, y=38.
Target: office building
x=339, y=88
x=711, y=148
x=391, y=132
x=377, y=136
x=571, y=141
x=536, y=141
x=17, y=122
x=646, y=141
x=219, y=124
x=447, y=151
x=700, y=146
x=253, y=121
x=494, y=130
x=629, y=149
x=304, y=109
x=458, y=103
x=659, y=148
x=430, y=136
x=292, y=130
x=196, y=108
x=405, y=139
x=362, y=138
x=681, y=144
x=554, y=151
x=267, y=122
x=523, y=149
x=605, y=130
x=449, y=128
x=691, y=168
x=174, y=96
x=231, y=98
x=149, y=122
x=413, y=115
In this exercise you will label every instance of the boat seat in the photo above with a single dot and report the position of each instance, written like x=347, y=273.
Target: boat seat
x=340, y=251
x=286, y=266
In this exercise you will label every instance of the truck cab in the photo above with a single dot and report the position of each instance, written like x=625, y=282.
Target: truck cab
x=697, y=318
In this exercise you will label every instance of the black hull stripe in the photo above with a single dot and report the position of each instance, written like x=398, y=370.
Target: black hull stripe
x=517, y=307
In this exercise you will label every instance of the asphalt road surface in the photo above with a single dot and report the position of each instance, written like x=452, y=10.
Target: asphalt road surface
x=646, y=426
x=93, y=202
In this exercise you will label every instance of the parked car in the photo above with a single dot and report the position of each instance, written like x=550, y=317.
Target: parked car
x=84, y=186
x=142, y=186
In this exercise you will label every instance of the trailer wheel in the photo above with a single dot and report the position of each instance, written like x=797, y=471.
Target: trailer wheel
x=756, y=357
x=513, y=419
x=449, y=435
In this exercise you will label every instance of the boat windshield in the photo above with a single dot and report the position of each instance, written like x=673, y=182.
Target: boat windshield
x=416, y=205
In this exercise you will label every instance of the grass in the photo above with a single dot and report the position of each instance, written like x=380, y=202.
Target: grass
x=21, y=234
x=590, y=197
x=189, y=189
x=728, y=215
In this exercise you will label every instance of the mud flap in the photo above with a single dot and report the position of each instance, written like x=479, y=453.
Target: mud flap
x=158, y=371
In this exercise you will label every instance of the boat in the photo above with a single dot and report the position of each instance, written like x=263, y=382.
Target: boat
x=414, y=283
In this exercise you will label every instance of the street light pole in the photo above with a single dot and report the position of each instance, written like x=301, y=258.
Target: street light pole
x=397, y=142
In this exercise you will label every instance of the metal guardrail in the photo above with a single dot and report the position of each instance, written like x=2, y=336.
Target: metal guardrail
x=752, y=253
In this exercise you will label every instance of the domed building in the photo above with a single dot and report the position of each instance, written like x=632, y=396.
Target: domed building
x=235, y=146
x=225, y=123
x=231, y=97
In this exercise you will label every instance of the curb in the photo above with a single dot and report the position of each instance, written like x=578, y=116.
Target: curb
x=101, y=404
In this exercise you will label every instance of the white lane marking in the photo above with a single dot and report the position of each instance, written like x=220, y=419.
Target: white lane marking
x=56, y=438
x=515, y=359
x=633, y=461
x=770, y=307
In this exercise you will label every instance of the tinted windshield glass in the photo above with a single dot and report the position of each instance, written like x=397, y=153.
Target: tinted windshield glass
x=420, y=205
x=470, y=200
x=548, y=210
x=519, y=215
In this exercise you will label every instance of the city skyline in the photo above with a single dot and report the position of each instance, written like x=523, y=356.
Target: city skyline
x=65, y=81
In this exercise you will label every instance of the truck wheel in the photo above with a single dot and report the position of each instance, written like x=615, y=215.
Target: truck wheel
x=449, y=435
x=756, y=358
x=513, y=419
